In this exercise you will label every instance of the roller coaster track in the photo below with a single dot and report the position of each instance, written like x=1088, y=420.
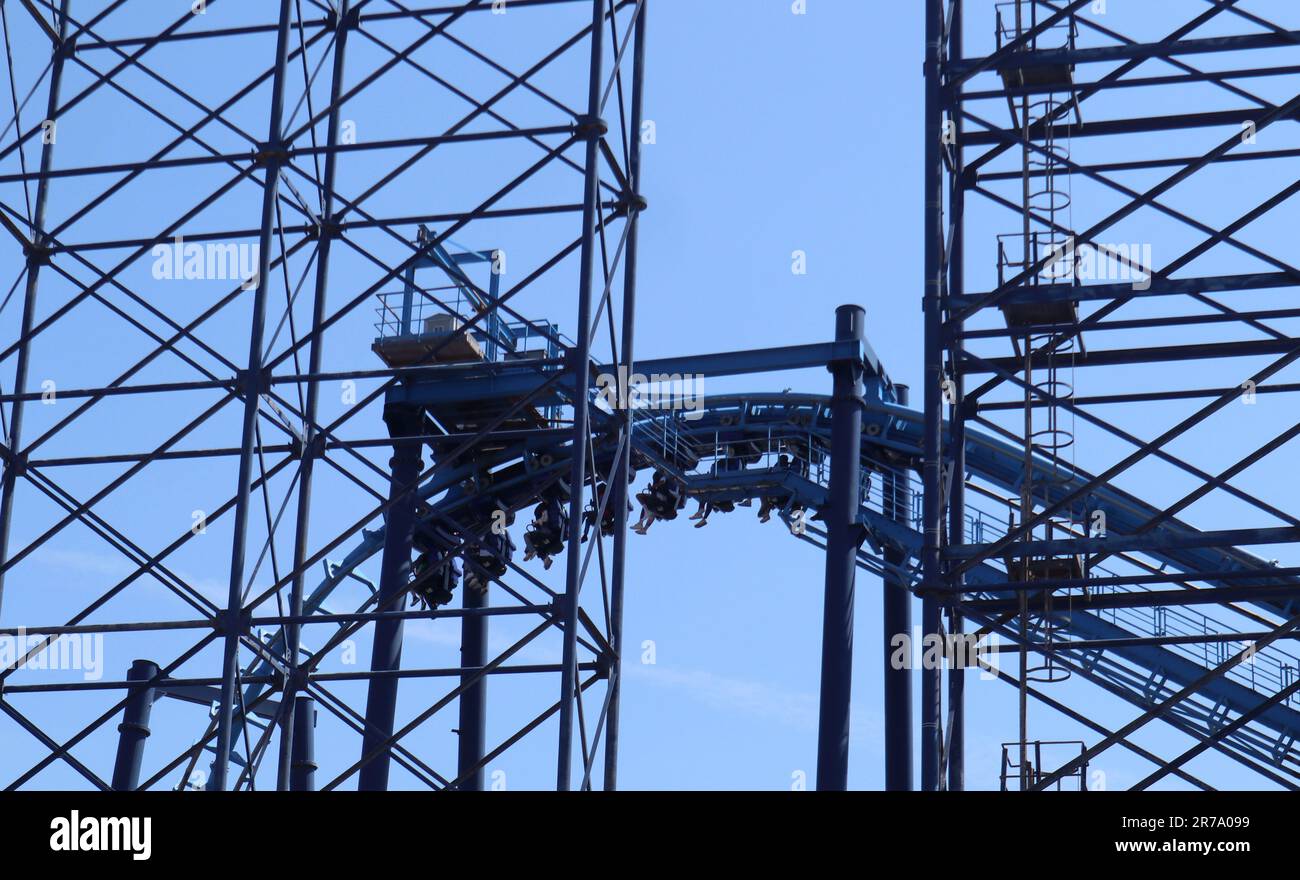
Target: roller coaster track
x=685, y=443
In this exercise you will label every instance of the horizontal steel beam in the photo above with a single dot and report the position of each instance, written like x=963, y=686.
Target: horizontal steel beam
x=1149, y=355
x=1163, y=539
x=1101, y=85
x=1057, y=293
x=452, y=384
x=1138, y=599
x=1137, y=125
x=1134, y=642
x=1131, y=51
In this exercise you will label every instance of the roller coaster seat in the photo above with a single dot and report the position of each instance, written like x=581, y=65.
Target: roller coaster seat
x=433, y=580
x=547, y=539
x=664, y=499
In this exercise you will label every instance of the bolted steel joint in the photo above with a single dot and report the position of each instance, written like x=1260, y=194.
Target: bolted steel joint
x=590, y=128
x=270, y=154
x=633, y=203
x=37, y=253
x=253, y=383
x=14, y=462
x=238, y=622
x=324, y=229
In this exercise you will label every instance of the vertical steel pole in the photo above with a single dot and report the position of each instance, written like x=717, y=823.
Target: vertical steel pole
x=394, y=577
x=1027, y=480
x=293, y=631
x=252, y=383
x=931, y=697
x=1026, y=512
x=134, y=729
x=473, y=700
x=897, y=617
x=622, y=474
x=957, y=418
x=592, y=128
x=843, y=535
x=36, y=255
x=302, y=776
x=932, y=464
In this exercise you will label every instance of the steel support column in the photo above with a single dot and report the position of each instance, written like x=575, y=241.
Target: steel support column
x=622, y=473
x=843, y=536
x=394, y=577
x=293, y=631
x=472, y=702
x=933, y=393
x=592, y=129
x=252, y=382
x=134, y=729
x=36, y=254
x=897, y=619
x=956, y=750
x=302, y=768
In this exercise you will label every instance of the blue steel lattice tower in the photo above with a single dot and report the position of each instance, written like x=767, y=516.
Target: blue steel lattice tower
x=344, y=144
x=1048, y=125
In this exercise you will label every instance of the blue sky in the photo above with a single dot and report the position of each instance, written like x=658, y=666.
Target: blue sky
x=776, y=133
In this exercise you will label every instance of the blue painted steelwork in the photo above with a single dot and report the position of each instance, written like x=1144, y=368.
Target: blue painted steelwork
x=944, y=500
x=472, y=730
x=394, y=578
x=302, y=775
x=134, y=729
x=843, y=536
x=1139, y=673
x=932, y=397
x=896, y=618
x=293, y=633
x=403, y=315
x=35, y=253
x=251, y=382
x=283, y=442
x=955, y=747
x=621, y=473
x=997, y=354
